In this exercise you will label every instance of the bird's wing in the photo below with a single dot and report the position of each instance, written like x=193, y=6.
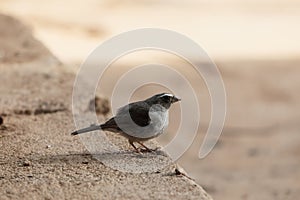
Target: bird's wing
x=138, y=111
x=110, y=125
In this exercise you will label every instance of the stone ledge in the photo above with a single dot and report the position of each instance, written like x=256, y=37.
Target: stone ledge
x=39, y=158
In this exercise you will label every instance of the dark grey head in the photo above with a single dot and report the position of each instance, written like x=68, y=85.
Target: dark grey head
x=164, y=99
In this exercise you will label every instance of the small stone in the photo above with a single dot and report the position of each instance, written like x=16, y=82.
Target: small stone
x=26, y=163
x=48, y=146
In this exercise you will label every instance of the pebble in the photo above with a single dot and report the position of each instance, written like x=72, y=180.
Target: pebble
x=26, y=163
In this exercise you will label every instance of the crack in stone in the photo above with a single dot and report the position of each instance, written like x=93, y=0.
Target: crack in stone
x=42, y=108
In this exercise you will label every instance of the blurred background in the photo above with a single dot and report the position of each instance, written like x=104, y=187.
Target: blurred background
x=254, y=43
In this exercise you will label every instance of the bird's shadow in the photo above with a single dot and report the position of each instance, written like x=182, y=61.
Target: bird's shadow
x=85, y=158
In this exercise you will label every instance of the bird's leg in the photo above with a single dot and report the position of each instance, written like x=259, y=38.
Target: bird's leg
x=146, y=148
x=136, y=149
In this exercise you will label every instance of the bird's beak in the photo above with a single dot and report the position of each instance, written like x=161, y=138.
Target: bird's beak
x=175, y=99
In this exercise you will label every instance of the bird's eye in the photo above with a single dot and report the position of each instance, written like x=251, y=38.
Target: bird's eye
x=166, y=98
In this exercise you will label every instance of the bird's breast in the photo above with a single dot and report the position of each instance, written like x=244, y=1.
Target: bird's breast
x=159, y=120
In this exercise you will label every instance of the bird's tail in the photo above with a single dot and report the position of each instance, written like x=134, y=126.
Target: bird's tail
x=88, y=129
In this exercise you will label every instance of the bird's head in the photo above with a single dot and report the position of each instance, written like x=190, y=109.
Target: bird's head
x=163, y=99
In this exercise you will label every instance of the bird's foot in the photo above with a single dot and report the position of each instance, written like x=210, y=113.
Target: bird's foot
x=145, y=150
x=138, y=151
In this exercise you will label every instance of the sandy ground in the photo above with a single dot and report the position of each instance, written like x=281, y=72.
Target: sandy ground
x=39, y=157
x=256, y=47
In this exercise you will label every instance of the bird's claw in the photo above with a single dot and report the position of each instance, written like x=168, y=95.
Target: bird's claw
x=147, y=150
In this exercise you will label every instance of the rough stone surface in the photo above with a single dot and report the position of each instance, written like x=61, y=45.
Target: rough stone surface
x=39, y=159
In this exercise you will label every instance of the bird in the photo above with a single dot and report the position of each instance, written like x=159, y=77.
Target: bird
x=139, y=121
